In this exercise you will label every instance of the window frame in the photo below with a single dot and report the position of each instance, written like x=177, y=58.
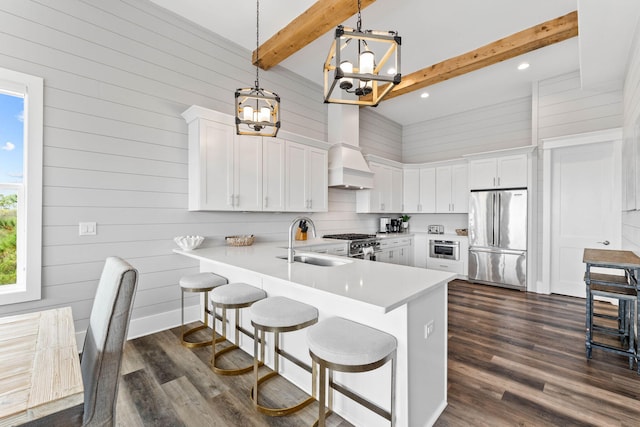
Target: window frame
x=29, y=232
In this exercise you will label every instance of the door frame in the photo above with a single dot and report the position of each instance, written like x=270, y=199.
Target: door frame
x=548, y=145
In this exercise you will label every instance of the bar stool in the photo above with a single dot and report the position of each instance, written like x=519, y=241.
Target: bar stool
x=232, y=296
x=339, y=344
x=200, y=282
x=615, y=287
x=278, y=314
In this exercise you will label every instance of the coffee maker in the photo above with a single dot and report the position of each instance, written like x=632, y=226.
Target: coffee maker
x=394, y=225
x=385, y=224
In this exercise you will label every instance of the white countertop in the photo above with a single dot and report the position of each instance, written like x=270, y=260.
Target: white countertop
x=380, y=285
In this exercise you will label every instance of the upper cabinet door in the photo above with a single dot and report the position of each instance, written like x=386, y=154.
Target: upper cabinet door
x=247, y=182
x=498, y=172
x=482, y=174
x=306, y=178
x=212, y=146
x=273, y=174
x=295, y=194
x=396, y=190
x=411, y=190
x=512, y=171
x=443, y=189
x=460, y=188
x=428, y=190
x=318, y=181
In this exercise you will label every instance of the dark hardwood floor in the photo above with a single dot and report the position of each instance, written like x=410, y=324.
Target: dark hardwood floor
x=515, y=359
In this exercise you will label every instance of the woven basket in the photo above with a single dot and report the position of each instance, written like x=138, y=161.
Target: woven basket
x=245, y=240
x=461, y=231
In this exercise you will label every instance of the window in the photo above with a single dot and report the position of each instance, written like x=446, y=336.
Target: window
x=21, y=105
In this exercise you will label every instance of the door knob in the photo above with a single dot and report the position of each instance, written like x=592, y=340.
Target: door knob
x=606, y=243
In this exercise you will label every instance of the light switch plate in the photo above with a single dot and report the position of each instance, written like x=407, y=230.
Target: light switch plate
x=87, y=228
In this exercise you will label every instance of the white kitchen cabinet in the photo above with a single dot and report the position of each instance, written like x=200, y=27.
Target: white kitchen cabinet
x=452, y=191
x=419, y=193
x=249, y=173
x=396, y=250
x=446, y=265
x=498, y=172
x=306, y=178
x=225, y=170
x=386, y=194
x=273, y=174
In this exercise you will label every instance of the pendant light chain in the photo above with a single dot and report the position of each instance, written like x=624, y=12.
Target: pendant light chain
x=258, y=43
x=359, y=24
x=257, y=109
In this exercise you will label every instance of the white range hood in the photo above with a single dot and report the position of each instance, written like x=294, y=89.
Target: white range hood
x=347, y=166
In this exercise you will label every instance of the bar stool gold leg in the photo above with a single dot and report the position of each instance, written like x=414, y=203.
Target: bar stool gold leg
x=184, y=334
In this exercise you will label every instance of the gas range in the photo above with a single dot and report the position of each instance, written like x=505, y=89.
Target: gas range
x=357, y=243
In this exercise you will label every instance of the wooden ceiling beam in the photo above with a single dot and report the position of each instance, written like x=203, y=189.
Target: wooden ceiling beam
x=321, y=17
x=536, y=37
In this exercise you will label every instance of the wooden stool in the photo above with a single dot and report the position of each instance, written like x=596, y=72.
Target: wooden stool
x=232, y=296
x=341, y=345
x=200, y=282
x=278, y=314
x=615, y=287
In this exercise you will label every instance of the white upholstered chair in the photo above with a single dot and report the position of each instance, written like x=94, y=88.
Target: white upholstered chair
x=104, y=342
x=102, y=352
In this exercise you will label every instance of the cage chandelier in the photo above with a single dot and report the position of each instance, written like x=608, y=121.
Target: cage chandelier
x=257, y=109
x=353, y=80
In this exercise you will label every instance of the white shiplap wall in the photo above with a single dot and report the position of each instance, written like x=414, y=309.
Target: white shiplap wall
x=563, y=107
x=500, y=126
x=631, y=219
x=379, y=135
x=117, y=75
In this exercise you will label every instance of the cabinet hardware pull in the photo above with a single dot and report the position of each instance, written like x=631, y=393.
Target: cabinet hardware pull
x=606, y=243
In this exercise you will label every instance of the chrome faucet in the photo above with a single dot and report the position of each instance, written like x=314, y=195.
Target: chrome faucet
x=290, y=251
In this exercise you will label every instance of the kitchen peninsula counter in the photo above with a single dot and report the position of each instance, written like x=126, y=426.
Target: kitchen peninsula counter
x=403, y=301
x=382, y=286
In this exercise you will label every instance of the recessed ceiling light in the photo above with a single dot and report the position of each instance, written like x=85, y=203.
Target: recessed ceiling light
x=424, y=95
x=391, y=71
x=523, y=66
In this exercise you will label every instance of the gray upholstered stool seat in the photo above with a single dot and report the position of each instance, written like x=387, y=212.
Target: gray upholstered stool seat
x=278, y=314
x=199, y=282
x=343, y=345
x=232, y=296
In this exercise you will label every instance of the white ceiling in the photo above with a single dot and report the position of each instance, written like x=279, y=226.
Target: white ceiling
x=433, y=31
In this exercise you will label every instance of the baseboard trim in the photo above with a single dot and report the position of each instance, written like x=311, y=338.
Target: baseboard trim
x=151, y=324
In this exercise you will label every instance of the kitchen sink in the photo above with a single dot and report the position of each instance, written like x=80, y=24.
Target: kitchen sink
x=317, y=260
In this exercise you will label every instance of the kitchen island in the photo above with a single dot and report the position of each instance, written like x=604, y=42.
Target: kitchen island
x=403, y=301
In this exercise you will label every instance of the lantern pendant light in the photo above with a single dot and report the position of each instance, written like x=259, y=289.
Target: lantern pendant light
x=363, y=45
x=257, y=110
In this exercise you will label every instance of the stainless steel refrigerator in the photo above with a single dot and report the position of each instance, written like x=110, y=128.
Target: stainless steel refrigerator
x=498, y=238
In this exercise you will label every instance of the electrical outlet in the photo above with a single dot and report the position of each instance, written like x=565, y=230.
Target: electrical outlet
x=428, y=329
x=87, y=228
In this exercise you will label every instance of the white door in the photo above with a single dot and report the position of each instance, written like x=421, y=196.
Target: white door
x=585, y=210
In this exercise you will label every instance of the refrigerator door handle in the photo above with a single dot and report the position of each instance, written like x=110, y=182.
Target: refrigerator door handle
x=496, y=215
x=497, y=251
x=493, y=219
x=499, y=220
